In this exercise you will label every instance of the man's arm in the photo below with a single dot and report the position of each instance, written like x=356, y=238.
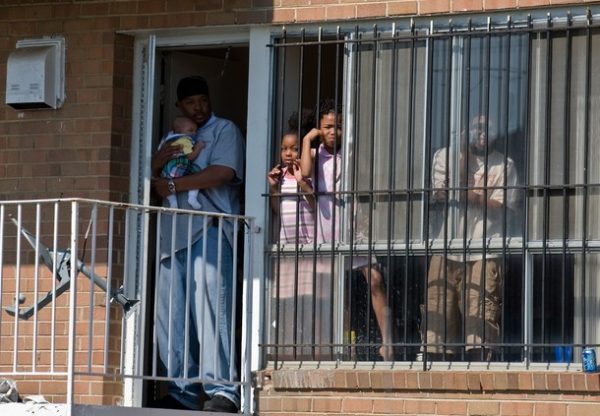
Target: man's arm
x=211, y=177
x=496, y=196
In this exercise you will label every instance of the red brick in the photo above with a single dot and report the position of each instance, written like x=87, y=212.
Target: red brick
x=351, y=380
x=220, y=18
x=402, y=8
x=412, y=381
x=399, y=380
x=513, y=408
x=38, y=12
x=387, y=380
x=94, y=9
x=357, y=405
x=419, y=407
x=533, y=3
x=376, y=380
x=552, y=381
x=579, y=382
x=424, y=380
x=269, y=404
x=310, y=14
x=593, y=382
x=467, y=5
x=512, y=380
x=123, y=7
x=539, y=381
x=296, y=404
x=484, y=408
x=209, y=5
x=237, y=4
x=249, y=17
x=474, y=382
x=327, y=404
x=499, y=4
x=181, y=19
x=266, y=3
x=290, y=3
x=434, y=6
x=180, y=6
x=451, y=407
x=550, y=409
x=151, y=6
x=50, y=26
x=388, y=406
x=340, y=379
x=565, y=381
x=438, y=379
x=364, y=379
x=488, y=381
x=460, y=381
x=66, y=10
x=580, y=409
x=371, y=10
x=525, y=381
x=340, y=12
x=283, y=15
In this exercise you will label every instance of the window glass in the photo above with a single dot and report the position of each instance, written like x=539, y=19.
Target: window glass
x=473, y=154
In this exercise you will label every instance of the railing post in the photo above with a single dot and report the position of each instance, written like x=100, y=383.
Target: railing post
x=72, y=307
x=249, y=321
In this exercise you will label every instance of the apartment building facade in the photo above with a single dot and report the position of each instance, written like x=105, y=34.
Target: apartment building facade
x=408, y=78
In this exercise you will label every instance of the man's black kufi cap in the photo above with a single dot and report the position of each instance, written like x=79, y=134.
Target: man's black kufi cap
x=191, y=86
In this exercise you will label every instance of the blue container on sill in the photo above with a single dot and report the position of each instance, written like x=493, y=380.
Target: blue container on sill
x=588, y=359
x=563, y=354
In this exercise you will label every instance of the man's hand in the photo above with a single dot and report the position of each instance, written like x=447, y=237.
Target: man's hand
x=475, y=196
x=161, y=187
x=160, y=158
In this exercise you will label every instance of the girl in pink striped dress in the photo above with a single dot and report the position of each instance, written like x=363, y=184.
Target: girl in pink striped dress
x=296, y=210
x=292, y=201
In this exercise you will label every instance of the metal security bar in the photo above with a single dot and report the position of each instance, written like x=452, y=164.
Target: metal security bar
x=75, y=277
x=461, y=227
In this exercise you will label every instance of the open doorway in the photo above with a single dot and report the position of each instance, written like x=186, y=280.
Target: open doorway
x=225, y=68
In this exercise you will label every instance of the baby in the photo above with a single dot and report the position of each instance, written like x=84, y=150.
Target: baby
x=183, y=134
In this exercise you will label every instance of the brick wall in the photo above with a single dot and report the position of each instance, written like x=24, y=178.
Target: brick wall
x=82, y=149
x=54, y=358
x=386, y=392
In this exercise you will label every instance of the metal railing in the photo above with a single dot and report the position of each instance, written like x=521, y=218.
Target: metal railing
x=78, y=289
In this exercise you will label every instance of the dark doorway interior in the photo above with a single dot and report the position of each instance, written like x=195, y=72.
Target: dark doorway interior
x=226, y=70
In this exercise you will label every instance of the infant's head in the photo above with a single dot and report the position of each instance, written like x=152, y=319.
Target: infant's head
x=184, y=125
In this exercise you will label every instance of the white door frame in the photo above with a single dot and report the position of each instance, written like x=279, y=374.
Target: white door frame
x=259, y=122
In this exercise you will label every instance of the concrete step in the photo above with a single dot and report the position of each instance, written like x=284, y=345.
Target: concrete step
x=85, y=410
x=49, y=409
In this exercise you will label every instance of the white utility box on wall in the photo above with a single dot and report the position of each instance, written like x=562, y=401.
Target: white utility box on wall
x=35, y=74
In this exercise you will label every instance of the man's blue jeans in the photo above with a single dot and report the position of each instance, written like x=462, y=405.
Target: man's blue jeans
x=210, y=304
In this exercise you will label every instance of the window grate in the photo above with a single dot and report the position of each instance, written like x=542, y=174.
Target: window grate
x=464, y=181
